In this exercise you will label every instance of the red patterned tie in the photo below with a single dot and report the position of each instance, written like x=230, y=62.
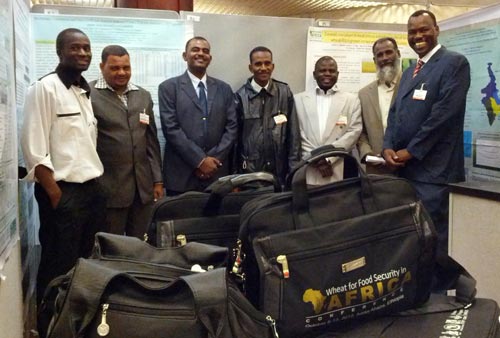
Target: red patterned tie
x=419, y=65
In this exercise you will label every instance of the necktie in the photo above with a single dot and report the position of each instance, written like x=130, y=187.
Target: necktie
x=419, y=65
x=204, y=105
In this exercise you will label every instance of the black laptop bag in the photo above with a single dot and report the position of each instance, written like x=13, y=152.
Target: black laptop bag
x=316, y=259
x=211, y=217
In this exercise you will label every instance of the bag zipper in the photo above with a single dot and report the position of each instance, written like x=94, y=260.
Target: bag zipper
x=272, y=324
x=103, y=329
x=283, y=260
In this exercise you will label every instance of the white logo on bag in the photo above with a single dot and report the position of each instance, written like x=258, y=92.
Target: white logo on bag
x=454, y=324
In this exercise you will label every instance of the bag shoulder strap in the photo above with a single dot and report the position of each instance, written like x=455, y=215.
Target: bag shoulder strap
x=451, y=275
x=84, y=295
x=210, y=294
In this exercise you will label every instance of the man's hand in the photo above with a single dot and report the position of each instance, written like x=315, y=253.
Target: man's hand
x=392, y=159
x=45, y=177
x=208, y=167
x=157, y=191
x=324, y=167
x=403, y=155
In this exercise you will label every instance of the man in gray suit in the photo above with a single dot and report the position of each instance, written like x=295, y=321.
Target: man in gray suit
x=127, y=144
x=198, y=119
x=327, y=116
x=376, y=99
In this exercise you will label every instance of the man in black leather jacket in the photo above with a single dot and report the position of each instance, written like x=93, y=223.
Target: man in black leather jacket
x=269, y=135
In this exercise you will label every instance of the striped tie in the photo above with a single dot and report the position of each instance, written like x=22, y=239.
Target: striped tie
x=419, y=65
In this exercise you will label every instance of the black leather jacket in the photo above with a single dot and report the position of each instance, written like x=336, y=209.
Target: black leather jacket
x=269, y=135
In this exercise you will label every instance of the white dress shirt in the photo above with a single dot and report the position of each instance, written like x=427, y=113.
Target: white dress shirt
x=60, y=131
x=323, y=104
x=196, y=81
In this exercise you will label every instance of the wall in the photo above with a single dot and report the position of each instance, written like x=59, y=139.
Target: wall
x=11, y=307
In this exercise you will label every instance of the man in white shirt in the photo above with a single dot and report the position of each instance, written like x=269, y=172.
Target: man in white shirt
x=327, y=116
x=376, y=99
x=59, y=146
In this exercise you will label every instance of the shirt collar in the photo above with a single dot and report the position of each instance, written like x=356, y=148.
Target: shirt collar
x=428, y=56
x=257, y=87
x=330, y=91
x=70, y=77
x=102, y=84
x=195, y=80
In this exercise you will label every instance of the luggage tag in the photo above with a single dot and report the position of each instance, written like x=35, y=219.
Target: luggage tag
x=342, y=121
x=144, y=118
x=280, y=118
x=420, y=94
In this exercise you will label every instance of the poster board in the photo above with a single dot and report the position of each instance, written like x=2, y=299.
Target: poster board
x=477, y=36
x=154, y=39
x=8, y=137
x=350, y=44
x=232, y=37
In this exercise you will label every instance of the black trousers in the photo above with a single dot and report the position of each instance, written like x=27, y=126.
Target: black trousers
x=67, y=232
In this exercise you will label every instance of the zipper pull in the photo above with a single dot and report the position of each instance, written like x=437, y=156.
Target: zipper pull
x=281, y=259
x=237, y=258
x=103, y=328
x=244, y=165
x=272, y=324
x=181, y=239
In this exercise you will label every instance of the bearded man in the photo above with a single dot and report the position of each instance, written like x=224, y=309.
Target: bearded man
x=376, y=99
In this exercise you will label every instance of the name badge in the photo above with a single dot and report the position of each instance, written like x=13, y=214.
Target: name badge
x=420, y=94
x=342, y=121
x=144, y=118
x=280, y=118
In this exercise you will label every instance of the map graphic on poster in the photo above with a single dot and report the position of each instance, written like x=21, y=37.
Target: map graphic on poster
x=491, y=101
x=478, y=41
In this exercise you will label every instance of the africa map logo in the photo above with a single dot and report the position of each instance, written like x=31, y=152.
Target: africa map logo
x=491, y=100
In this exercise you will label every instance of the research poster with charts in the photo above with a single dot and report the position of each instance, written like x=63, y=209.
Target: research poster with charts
x=480, y=42
x=352, y=50
x=8, y=137
x=155, y=46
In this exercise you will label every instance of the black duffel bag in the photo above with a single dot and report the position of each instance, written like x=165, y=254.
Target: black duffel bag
x=119, y=294
x=320, y=258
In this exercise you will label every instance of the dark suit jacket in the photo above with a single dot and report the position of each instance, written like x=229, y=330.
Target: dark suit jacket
x=128, y=149
x=181, y=121
x=432, y=129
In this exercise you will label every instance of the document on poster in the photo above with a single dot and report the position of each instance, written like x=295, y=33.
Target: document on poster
x=352, y=50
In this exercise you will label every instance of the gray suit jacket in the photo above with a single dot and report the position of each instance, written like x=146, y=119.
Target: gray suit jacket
x=129, y=149
x=372, y=137
x=342, y=130
x=181, y=121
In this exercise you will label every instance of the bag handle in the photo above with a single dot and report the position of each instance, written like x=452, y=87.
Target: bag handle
x=108, y=245
x=297, y=181
x=210, y=294
x=90, y=280
x=225, y=185
x=86, y=289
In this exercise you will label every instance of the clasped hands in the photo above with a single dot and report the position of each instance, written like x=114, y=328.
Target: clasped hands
x=397, y=159
x=207, y=168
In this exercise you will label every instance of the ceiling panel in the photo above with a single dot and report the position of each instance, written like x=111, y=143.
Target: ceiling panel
x=297, y=8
